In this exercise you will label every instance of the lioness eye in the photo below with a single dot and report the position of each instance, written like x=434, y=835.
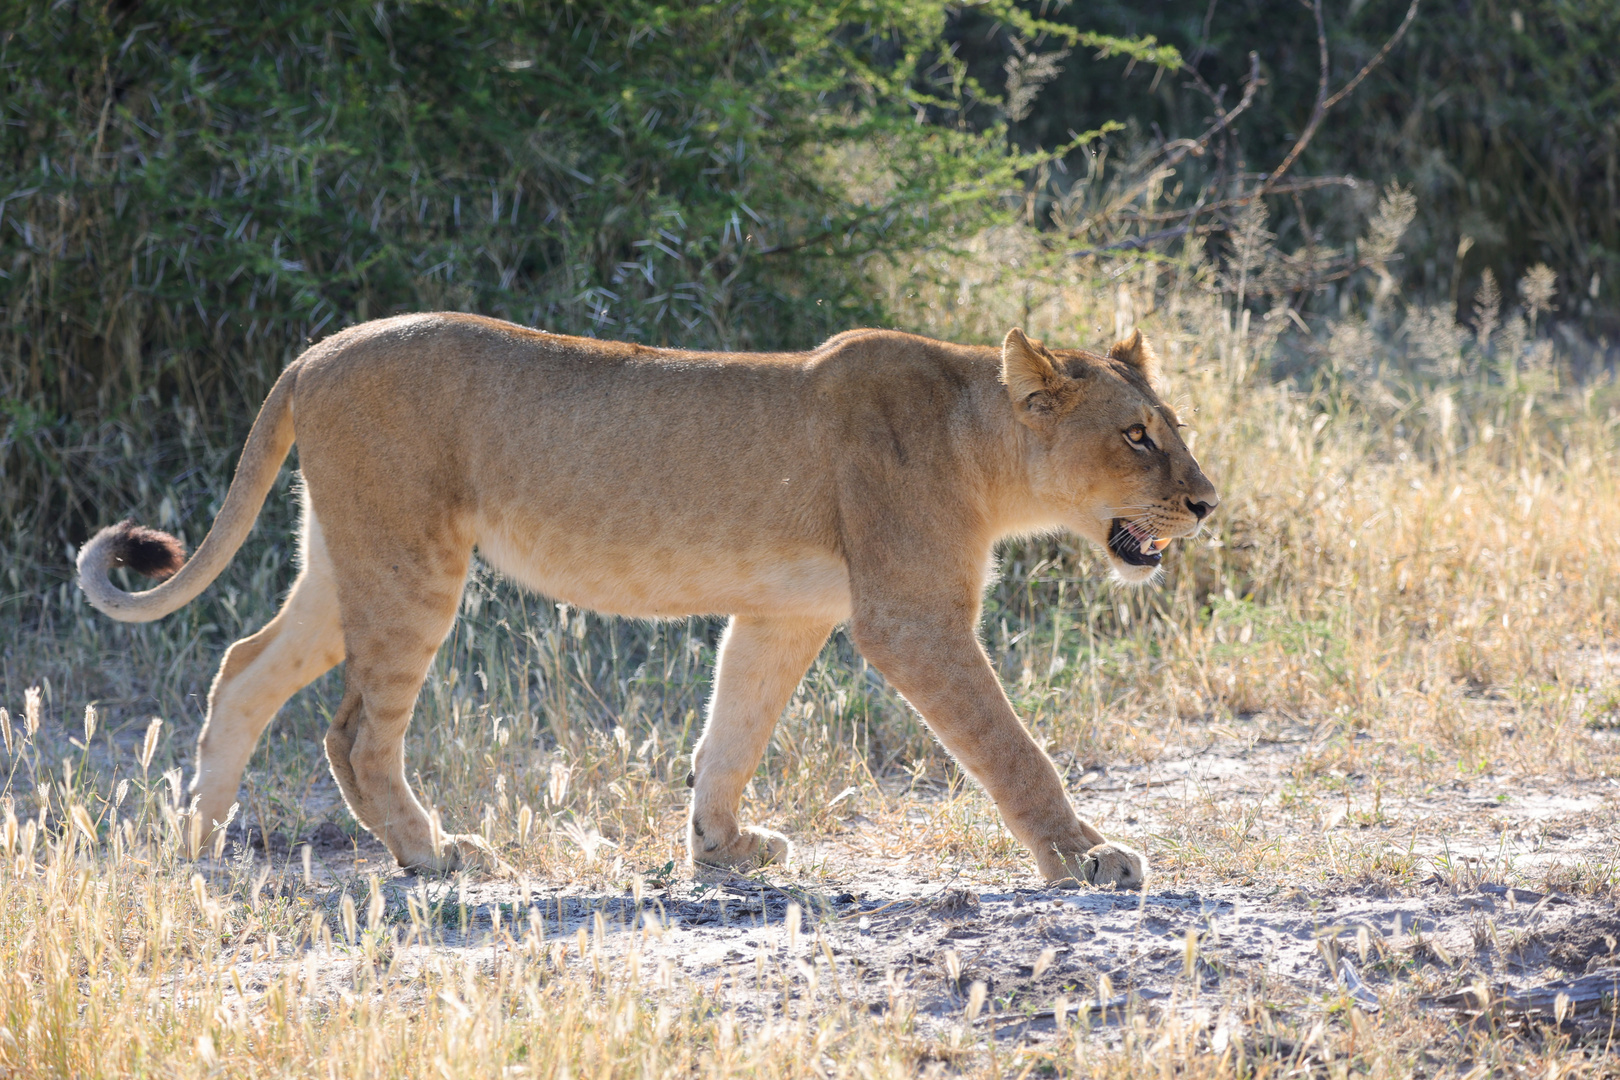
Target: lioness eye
x=1137, y=434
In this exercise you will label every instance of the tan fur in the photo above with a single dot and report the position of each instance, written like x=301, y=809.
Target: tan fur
x=864, y=482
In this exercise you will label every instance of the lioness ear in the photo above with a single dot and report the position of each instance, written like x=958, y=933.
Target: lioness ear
x=1136, y=352
x=1037, y=388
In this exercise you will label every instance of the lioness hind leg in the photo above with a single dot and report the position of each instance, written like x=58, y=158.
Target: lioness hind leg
x=257, y=676
x=396, y=613
x=760, y=662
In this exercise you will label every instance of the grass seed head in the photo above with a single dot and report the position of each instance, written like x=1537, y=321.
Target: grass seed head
x=149, y=743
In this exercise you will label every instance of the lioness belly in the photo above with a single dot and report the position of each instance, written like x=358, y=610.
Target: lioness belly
x=656, y=580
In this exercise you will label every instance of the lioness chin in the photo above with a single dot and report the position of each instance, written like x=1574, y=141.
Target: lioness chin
x=864, y=482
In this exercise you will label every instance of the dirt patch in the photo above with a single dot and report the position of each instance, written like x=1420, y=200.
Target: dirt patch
x=1032, y=947
x=1588, y=945
x=1035, y=951
x=1370, y=897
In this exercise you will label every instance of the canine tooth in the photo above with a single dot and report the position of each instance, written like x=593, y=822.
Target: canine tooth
x=1161, y=543
x=1147, y=546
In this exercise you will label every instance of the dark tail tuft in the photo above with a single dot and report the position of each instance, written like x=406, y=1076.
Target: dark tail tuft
x=148, y=552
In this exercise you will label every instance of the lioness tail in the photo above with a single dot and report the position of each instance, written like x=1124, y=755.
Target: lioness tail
x=159, y=555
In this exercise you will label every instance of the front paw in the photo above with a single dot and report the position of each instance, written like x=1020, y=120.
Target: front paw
x=748, y=849
x=1105, y=865
x=463, y=851
x=474, y=854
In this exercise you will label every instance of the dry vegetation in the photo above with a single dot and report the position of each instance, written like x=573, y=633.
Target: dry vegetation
x=1406, y=606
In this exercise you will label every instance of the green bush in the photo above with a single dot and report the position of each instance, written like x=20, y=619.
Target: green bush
x=228, y=184
x=192, y=194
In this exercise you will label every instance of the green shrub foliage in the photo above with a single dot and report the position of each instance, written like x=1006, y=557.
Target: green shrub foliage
x=196, y=191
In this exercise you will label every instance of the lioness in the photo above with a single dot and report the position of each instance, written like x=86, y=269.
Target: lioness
x=865, y=482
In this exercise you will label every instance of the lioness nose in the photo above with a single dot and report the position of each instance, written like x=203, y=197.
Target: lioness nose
x=1200, y=510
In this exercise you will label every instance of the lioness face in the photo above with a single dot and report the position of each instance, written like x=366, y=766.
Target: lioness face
x=1107, y=459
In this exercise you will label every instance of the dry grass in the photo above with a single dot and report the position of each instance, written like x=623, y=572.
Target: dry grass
x=1415, y=564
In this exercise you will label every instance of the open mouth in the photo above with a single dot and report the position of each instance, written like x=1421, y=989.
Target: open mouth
x=1135, y=545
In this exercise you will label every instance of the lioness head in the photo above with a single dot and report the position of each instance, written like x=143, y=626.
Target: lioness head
x=1106, y=457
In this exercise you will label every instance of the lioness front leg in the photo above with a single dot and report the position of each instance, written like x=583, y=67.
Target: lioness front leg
x=760, y=662
x=940, y=667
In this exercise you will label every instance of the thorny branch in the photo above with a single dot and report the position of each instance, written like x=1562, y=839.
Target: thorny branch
x=1179, y=149
x=1323, y=101
x=1264, y=184
x=1312, y=183
x=1133, y=243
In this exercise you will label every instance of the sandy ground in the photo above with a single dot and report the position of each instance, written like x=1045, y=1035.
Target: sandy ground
x=1461, y=929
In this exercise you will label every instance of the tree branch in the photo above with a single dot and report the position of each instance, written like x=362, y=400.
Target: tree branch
x=1131, y=243
x=1311, y=183
x=1411, y=13
x=1324, y=102
x=1223, y=120
x=1183, y=147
